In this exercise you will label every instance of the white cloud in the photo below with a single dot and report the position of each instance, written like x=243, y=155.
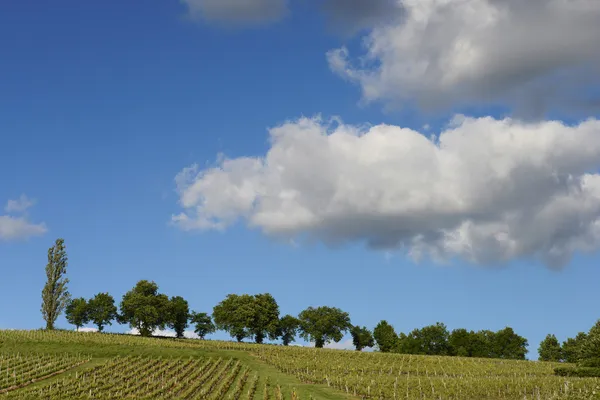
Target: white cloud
x=532, y=55
x=237, y=12
x=86, y=329
x=486, y=190
x=165, y=332
x=353, y=15
x=19, y=205
x=13, y=227
x=341, y=345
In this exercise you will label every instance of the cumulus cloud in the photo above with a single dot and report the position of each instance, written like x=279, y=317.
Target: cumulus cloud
x=350, y=16
x=19, y=227
x=237, y=12
x=19, y=205
x=484, y=190
x=86, y=329
x=534, y=56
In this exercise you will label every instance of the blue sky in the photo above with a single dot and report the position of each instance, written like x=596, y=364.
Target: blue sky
x=105, y=103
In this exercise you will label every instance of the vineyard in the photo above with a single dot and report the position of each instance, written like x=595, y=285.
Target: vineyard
x=395, y=376
x=149, y=378
x=153, y=368
x=17, y=370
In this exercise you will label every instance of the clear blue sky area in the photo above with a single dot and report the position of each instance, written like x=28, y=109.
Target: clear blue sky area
x=104, y=103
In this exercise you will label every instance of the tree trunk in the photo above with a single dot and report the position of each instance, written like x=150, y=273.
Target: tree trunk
x=259, y=338
x=319, y=343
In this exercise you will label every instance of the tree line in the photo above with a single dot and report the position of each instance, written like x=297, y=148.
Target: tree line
x=583, y=346
x=257, y=317
x=437, y=340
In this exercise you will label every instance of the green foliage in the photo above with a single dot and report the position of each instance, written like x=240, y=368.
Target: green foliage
x=430, y=340
x=564, y=371
x=248, y=316
x=102, y=310
x=323, y=324
x=203, y=324
x=591, y=362
x=76, y=312
x=460, y=342
x=509, y=345
x=232, y=314
x=504, y=344
x=580, y=372
x=550, y=349
x=362, y=337
x=572, y=348
x=265, y=319
x=179, y=313
x=590, y=347
x=435, y=340
x=482, y=344
x=288, y=329
x=55, y=295
x=385, y=336
x=144, y=308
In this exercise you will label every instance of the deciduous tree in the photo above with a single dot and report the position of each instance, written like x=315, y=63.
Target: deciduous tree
x=102, y=310
x=550, y=349
x=509, y=345
x=361, y=337
x=76, y=312
x=203, y=324
x=248, y=316
x=432, y=339
x=288, y=329
x=590, y=348
x=232, y=315
x=55, y=295
x=144, y=308
x=385, y=336
x=265, y=318
x=179, y=313
x=459, y=342
x=572, y=347
x=323, y=324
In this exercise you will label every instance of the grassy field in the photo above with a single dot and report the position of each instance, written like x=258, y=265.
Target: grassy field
x=69, y=365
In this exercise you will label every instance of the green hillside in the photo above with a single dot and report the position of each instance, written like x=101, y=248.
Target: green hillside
x=69, y=365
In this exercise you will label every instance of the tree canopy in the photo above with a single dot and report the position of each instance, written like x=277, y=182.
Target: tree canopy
x=550, y=349
x=102, y=310
x=509, y=345
x=590, y=347
x=572, y=347
x=361, y=337
x=288, y=329
x=430, y=340
x=248, y=316
x=144, y=309
x=76, y=312
x=385, y=336
x=232, y=315
x=179, y=313
x=202, y=323
x=323, y=324
x=55, y=295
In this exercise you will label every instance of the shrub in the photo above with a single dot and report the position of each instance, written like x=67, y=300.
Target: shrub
x=580, y=372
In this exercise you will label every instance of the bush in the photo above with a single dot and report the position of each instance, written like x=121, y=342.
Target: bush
x=590, y=362
x=563, y=371
x=581, y=372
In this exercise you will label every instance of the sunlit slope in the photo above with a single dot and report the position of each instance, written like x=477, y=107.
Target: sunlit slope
x=107, y=366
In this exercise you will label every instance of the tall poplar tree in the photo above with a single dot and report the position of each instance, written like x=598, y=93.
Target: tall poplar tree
x=55, y=295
